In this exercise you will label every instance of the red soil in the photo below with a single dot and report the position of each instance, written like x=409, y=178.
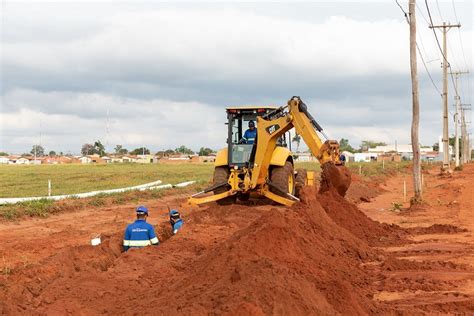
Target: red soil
x=315, y=258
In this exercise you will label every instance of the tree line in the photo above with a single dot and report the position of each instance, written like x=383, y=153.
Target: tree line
x=97, y=148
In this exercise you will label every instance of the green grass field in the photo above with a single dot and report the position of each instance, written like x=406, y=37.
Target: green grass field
x=25, y=181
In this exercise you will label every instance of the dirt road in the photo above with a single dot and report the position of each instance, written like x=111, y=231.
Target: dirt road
x=323, y=256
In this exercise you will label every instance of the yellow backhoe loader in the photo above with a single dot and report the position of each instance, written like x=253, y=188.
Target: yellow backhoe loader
x=265, y=166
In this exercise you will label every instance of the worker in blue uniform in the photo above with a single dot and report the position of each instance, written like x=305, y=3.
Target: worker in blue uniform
x=251, y=134
x=140, y=234
x=175, y=221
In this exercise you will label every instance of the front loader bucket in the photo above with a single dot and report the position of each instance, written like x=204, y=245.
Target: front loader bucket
x=336, y=177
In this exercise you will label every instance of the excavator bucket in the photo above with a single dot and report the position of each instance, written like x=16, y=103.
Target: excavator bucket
x=335, y=177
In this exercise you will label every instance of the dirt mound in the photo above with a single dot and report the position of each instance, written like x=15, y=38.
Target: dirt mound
x=348, y=216
x=314, y=258
x=362, y=191
x=299, y=262
x=227, y=260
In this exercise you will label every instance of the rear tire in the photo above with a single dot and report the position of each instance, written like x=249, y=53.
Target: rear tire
x=221, y=175
x=283, y=178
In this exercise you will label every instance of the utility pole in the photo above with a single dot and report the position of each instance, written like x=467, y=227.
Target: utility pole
x=445, y=28
x=415, y=143
x=457, y=99
x=466, y=146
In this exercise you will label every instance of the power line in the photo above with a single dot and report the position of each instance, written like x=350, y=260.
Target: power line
x=419, y=51
x=439, y=10
x=437, y=41
x=454, y=8
x=434, y=31
x=427, y=71
x=467, y=66
x=422, y=15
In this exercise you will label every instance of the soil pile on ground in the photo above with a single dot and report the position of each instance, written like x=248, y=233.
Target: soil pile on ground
x=362, y=190
x=235, y=259
x=348, y=216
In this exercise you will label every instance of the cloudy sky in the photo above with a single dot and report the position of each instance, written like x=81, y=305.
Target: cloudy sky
x=160, y=74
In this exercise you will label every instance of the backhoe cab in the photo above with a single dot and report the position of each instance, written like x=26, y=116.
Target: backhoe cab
x=265, y=168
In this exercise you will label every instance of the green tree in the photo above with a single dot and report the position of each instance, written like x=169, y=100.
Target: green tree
x=2, y=153
x=37, y=150
x=88, y=149
x=120, y=150
x=184, y=150
x=436, y=146
x=297, y=139
x=205, y=151
x=140, y=151
x=366, y=144
x=165, y=153
x=100, y=149
x=52, y=153
x=345, y=146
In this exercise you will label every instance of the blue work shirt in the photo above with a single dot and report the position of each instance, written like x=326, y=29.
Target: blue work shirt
x=177, y=226
x=139, y=234
x=250, y=135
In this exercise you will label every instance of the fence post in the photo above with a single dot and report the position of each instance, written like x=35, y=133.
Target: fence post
x=49, y=187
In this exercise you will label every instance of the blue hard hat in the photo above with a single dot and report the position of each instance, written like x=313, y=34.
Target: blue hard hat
x=174, y=213
x=142, y=210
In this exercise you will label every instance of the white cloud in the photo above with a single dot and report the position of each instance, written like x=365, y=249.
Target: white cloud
x=166, y=71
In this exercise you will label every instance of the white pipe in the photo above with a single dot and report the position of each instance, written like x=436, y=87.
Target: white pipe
x=79, y=195
x=156, y=185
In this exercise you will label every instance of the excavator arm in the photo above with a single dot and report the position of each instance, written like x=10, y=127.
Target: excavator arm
x=295, y=115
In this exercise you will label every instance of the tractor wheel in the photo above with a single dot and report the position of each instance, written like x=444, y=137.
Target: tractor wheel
x=300, y=180
x=283, y=178
x=221, y=175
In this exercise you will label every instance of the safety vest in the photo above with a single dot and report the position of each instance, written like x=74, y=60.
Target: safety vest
x=139, y=234
x=249, y=136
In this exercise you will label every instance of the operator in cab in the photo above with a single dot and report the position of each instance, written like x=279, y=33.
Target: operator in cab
x=251, y=134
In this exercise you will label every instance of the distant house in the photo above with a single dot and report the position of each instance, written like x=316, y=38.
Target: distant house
x=305, y=156
x=116, y=159
x=365, y=157
x=4, y=160
x=128, y=158
x=95, y=158
x=144, y=159
x=210, y=158
x=349, y=156
x=22, y=161
x=106, y=159
x=85, y=159
x=399, y=148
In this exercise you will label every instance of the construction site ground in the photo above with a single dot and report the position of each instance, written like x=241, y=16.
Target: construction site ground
x=366, y=254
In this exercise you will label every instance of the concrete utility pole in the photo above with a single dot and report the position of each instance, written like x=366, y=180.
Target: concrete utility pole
x=415, y=143
x=466, y=146
x=457, y=99
x=445, y=28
